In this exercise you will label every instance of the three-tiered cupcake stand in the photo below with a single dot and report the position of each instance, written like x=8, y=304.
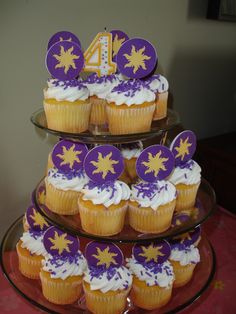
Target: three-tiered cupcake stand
x=182, y=297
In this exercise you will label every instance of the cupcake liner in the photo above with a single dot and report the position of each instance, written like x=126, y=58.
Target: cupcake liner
x=130, y=166
x=59, y=291
x=186, y=196
x=105, y=303
x=183, y=274
x=61, y=202
x=133, y=119
x=161, y=106
x=103, y=222
x=147, y=220
x=29, y=265
x=149, y=297
x=72, y=117
x=98, y=114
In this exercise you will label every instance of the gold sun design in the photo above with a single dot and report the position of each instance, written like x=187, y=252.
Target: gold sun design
x=136, y=59
x=61, y=39
x=104, y=164
x=105, y=257
x=155, y=163
x=41, y=197
x=151, y=252
x=69, y=156
x=60, y=243
x=183, y=236
x=66, y=59
x=183, y=148
x=117, y=43
x=38, y=219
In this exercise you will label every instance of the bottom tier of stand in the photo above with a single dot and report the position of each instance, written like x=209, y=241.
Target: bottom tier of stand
x=31, y=289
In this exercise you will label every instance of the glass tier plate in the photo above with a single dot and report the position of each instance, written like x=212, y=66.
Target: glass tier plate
x=100, y=134
x=204, y=206
x=31, y=289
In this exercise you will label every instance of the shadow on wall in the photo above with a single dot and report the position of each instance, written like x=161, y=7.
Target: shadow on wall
x=197, y=9
x=204, y=91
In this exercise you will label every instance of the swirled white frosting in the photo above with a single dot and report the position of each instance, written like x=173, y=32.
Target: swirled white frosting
x=107, y=194
x=65, y=182
x=131, y=92
x=63, y=90
x=189, y=255
x=33, y=241
x=153, y=194
x=118, y=278
x=188, y=173
x=164, y=85
x=161, y=275
x=129, y=152
x=64, y=267
x=101, y=86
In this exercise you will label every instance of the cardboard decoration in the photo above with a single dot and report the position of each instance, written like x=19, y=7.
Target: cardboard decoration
x=59, y=243
x=61, y=36
x=156, y=251
x=103, y=164
x=179, y=219
x=35, y=220
x=68, y=156
x=136, y=58
x=183, y=147
x=187, y=238
x=155, y=162
x=118, y=38
x=101, y=254
x=65, y=60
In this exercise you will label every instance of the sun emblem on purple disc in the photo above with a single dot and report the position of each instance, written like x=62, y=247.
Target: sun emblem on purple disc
x=57, y=242
x=68, y=156
x=118, y=38
x=183, y=146
x=187, y=238
x=157, y=252
x=155, y=162
x=61, y=36
x=65, y=60
x=104, y=163
x=179, y=219
x=35, y=220
x=101, y=254
x=136, y=58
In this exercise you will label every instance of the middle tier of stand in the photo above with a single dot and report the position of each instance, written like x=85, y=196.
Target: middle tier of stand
x=204, y=206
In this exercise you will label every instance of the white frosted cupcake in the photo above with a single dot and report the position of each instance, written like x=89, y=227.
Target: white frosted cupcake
x=99, y=87
x=67, y=106
x=130, y=107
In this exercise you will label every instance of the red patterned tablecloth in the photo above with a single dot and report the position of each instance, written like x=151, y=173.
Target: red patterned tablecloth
x=218, y=299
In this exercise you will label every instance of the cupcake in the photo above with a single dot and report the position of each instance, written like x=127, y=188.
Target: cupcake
x=106, y=281
x=186, y=175
x=160, y=86
x=152, y=203
x=65, y=182
x=184, y=256
x=30, y=249
x=130, y=152
x=25, y=223
x=63, y=267
x=153, y=275
x=67, y=106
x=104, y=199
x=98, y=88
x=130, y=108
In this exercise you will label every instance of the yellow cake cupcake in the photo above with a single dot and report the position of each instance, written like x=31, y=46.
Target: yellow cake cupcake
x=130, y=108
x=67, y=106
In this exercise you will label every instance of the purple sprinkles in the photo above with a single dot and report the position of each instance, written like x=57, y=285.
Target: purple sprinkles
x=93, y=78
x=69, y=83
x=130, y=87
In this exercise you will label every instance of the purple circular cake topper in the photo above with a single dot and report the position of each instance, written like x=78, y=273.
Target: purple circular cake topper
x=183, y=147
x=69, y=156
x=158, y=252
x=187, y=238
x=118, y=38
x=155, y=162
x=35, y=220
x=179, y=219
x=65, y=60
x=100, y=254
x=104, y=163
x=60, y=243
x=41, y=195
x=136, y=58
x=61, y=36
